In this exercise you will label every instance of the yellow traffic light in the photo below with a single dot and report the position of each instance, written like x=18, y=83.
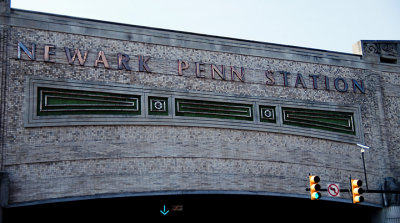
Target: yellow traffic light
x=314, y=187
x=356, y=190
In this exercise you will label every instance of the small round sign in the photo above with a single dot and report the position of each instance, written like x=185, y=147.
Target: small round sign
x=333, y=190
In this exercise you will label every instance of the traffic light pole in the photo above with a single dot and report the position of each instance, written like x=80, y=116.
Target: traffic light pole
x=369, y=191
x=383, y=191
x=365, y=172
x=365, y=175
x=357, y=186
x=341, y=190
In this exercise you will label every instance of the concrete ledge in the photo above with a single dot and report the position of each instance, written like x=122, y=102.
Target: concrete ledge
x=89, y=27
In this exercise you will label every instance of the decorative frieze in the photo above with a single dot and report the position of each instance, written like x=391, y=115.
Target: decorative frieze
x=54, y=102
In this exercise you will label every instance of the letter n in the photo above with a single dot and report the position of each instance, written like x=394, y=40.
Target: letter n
x=220, y=73
x=30, y=54
x=358, y=86
x=234, y=73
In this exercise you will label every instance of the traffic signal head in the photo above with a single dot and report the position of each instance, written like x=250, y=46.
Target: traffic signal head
x=357, y=191
x=314, y=188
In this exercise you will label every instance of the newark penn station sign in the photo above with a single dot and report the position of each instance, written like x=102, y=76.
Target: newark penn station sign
x=58, y=102
x=217, y=71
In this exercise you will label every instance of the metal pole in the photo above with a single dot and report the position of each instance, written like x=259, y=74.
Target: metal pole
x=365, y=172
x=350, y=189
x=384, y=191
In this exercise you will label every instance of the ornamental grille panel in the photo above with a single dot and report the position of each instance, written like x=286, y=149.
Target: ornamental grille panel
x=55, y=101
x=50, y=102
x=334, y=121
x=213, y=109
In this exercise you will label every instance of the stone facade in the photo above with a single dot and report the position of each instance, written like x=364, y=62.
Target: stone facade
x=45, y=163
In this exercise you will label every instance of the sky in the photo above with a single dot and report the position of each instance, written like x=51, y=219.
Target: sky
x=320, y=24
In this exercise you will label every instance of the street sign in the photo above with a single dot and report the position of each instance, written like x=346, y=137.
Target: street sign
x=333, y=190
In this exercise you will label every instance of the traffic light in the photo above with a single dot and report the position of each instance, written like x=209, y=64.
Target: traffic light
x=314, y=187
x=356, y=190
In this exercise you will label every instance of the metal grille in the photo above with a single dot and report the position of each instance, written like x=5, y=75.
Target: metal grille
x=334, y=121
x=213, y=109
x=54, y=101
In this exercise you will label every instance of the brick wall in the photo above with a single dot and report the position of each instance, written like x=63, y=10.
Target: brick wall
x=57, y=162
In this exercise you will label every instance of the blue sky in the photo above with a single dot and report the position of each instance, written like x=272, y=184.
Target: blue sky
x=329, y=25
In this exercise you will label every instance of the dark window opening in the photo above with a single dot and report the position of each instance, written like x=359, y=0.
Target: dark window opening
x=388, y=60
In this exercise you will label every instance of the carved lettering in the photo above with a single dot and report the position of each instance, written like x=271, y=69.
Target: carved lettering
x=143, y=66
x=123, y=60
x=358, y=86
x=285, y=78
x=48, y=52
x=315, y=80
x=300, y=80
x=327, y=86
x=199, y=69
x=31, y=54
x=215, y=70
x=182, y=65
x=101, y=58
x=77, y=54
x=345, y=85
x=271, y=79
x=234, y=73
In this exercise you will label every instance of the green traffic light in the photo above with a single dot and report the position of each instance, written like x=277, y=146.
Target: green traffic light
x=316, y=196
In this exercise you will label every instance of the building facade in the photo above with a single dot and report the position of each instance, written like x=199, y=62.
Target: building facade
x=92, y=108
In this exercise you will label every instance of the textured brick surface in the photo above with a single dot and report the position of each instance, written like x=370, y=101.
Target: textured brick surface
x=57, y=162
x=391, y=106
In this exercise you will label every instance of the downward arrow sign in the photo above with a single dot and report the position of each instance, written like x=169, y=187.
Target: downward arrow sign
x=164, y=212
